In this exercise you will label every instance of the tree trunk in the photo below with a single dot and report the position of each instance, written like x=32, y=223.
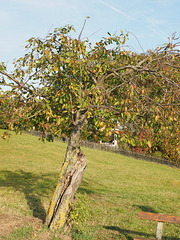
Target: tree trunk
x=69, y=178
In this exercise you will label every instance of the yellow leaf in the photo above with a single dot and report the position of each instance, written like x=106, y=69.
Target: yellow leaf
x=55, y=68
x=123, y=42
x=149, y=144
x=101, y=124
x=100, y=69
x=156, y=118
x=47, y=52
x=58, y=121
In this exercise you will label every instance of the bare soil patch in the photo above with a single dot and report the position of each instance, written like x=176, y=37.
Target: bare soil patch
x=9, y=223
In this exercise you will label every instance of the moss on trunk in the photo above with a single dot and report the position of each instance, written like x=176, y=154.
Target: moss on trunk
x=69, y=178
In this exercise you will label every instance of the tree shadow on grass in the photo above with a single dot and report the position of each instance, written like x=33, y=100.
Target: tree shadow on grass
x=33, y=186
x=128, y=233
x=85, y=187
x=146, y=208
x=90, y=186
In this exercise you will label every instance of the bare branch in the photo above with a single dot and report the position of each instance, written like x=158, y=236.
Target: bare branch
x=118, y=86
x=92, y=33
x=32, y=115
x=79, y=37
x=72, y=110
x=137, y=40
x=17, y=82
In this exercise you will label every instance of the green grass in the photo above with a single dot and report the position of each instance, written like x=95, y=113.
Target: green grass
x=117, y=188
x=20, y=233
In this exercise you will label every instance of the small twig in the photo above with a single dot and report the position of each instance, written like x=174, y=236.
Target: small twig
x=50, y=28
x=137, y=40
x=118, y=86
x=72, y=110
x=92, y=33
x=79, y=37
x=32, y=115
x=17, y=82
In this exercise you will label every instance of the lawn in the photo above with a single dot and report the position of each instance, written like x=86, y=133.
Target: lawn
x=114, y=189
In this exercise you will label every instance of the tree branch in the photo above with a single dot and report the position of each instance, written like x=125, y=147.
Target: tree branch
x=20, y=85
x=79, y=37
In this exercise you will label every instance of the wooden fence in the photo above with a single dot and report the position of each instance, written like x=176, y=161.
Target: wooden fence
x=111, y=148
x=108, y=148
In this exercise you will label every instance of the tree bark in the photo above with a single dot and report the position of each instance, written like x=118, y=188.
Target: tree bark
x=69, y=178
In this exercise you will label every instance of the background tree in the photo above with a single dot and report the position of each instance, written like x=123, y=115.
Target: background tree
x=159, y=130
x=63, y=86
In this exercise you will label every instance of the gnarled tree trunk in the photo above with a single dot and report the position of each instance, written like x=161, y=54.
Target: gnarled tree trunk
x=69, y=178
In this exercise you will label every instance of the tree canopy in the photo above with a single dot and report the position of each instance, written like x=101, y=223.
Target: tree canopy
x=59, y=76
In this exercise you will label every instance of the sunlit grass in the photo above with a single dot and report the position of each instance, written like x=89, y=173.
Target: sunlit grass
x=118, y=187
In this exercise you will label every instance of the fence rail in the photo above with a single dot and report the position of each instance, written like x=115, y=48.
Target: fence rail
x=111, y=148
x=136, y=155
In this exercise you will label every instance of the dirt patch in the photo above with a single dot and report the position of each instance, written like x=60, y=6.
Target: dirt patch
x=9, y=223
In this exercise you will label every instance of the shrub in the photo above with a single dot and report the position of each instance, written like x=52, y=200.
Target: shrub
x=79, y=214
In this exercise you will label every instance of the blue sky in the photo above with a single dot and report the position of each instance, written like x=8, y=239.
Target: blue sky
x=151, y=21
